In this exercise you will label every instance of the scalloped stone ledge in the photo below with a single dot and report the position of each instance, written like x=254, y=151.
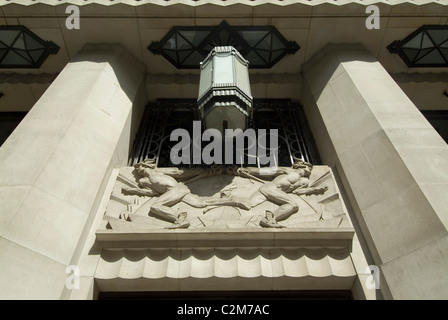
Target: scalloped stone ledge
x=220, y=2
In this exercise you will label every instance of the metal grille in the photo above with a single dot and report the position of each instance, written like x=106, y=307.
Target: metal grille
x=295, y=139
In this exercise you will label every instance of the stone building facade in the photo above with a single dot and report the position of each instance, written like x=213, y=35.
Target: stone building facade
x=82, y=78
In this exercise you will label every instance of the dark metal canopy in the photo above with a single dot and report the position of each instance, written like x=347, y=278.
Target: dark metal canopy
x=425, y=47
x=21, y=48
x=186, y=47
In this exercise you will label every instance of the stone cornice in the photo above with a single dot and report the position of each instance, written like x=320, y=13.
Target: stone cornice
x=227, y=238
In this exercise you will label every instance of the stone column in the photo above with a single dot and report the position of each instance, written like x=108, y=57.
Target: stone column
x=392, y=163
x=55, y=165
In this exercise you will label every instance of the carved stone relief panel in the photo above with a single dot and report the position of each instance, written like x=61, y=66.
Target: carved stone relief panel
x=148, y=198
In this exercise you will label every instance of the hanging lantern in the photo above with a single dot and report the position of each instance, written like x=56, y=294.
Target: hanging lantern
x=225, y=100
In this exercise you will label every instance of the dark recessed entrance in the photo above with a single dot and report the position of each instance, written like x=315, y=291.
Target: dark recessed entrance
x=230, y=295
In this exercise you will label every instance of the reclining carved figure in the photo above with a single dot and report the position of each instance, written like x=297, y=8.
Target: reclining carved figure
x=163, y=183
x=285, y=180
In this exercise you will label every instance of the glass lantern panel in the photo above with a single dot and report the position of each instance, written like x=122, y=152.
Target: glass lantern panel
x=433, y=57
x=427, y=43
x=422, y=53
x=254, y=59
x=414, y=43
x=223, y=69
x=242, y=76
x=205, y=81
x=19, y=43
x=32, y=44
x=36, y=54
x=193, y=36
x=411, y=53
x=444, y=52
x=170, y=44
x=8, y=36
x=253, y=36
x=438, y=36
x=194, y=59
x=12, y=58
